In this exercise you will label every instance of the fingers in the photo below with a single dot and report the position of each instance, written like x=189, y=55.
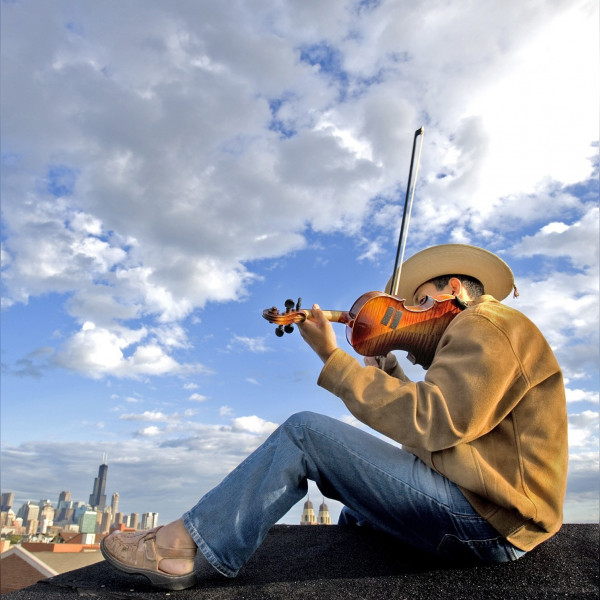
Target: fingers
x=318, y=315
x=318, y=333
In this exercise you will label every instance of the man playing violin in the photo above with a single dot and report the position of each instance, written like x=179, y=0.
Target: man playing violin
x=481, y=474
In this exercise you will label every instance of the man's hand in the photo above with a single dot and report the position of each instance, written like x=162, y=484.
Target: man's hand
x=318, y=333
x=386, y=363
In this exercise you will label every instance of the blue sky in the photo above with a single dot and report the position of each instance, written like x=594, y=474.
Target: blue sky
x=169, y=170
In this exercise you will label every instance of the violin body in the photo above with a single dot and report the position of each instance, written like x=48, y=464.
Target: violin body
x=382, y=323
x=378, y=323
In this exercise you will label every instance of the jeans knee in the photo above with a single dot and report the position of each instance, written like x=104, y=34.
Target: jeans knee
x=302, y=418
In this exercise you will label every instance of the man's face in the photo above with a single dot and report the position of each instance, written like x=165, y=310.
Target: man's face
x=428, y=289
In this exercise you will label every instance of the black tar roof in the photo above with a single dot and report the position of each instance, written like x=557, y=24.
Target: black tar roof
x=349, y=563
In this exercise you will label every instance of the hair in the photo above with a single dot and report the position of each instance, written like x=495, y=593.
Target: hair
x=473, y=286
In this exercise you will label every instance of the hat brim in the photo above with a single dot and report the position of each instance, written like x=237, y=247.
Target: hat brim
x=455, y=259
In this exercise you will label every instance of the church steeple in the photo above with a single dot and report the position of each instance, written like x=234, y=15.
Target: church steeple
x=308, y=514
x=323, y=518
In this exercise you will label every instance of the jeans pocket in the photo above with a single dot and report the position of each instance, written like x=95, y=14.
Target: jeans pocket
x=493, y=550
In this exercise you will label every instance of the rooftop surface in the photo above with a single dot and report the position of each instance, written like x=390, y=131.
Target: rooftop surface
x=349, y=563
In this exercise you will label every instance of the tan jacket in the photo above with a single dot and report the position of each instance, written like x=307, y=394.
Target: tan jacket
x=490, y=416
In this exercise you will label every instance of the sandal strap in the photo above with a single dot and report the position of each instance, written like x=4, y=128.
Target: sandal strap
x=175, y=552
x=160, y=552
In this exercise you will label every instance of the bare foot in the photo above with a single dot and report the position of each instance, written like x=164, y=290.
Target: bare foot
x=175, y=535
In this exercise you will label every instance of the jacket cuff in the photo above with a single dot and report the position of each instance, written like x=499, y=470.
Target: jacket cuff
x=335, y=370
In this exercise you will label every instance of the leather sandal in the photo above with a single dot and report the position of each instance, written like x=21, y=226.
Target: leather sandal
x=139, y=554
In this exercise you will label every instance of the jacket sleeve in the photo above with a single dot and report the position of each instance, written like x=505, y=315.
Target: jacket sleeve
x=473, y=383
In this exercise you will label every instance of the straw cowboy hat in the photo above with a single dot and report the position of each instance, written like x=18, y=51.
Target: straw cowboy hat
x=456, y=259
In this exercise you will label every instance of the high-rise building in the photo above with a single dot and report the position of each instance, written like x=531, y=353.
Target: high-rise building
x=149, y=520
x=6, y=501
x=29, y=511
x=114, y=504
x=134, y=520
x=106, y=521
x=98, y=497
x=87, y=522
x=64, y=500
x=47, y=511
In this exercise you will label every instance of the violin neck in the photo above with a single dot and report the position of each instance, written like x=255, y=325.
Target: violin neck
x=335, y=316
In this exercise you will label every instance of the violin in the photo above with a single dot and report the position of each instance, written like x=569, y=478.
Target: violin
x=378, y=323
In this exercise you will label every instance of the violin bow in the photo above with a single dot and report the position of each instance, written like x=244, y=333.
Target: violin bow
x=408, y=201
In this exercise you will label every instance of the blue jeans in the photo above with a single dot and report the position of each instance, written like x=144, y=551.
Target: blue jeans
x=380, y=484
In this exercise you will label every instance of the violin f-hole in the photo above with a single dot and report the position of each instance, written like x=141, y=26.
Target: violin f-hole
x=387, y=317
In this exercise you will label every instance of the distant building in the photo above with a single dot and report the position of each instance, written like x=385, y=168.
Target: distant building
x=114, y=504
x=87, y=522
x=65, y=514
x=6, y=501
x=149, y=520
x=98, y=497
x=105, y=522
x=134, y=520
x=308, y=514
x=47, y=511
x=323, y=518
x=30, y=513
x=64, y=500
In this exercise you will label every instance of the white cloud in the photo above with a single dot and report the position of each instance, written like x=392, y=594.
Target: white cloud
x=150, y=431
x=98, y=351
x=253, y=424
x=577, y=395
x=583, y=431
x=578, y=241
x=255, y=345
x=197, y=398
x=145, y=416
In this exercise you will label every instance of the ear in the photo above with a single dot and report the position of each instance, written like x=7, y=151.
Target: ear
x=456, y=286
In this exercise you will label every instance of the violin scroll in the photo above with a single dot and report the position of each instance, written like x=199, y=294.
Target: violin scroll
x=285, y=320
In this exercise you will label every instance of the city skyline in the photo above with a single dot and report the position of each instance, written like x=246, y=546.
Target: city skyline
x=72, y=511
x=65, y=499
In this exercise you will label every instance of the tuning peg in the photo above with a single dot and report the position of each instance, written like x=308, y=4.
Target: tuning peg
x=289, y=304
x=298, y=304
x=279, y=331
x=288, y=328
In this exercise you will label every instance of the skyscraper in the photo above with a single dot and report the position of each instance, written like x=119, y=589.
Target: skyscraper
x=114, y=505
x=98, y=497
x=7, y=501
x=64, y=499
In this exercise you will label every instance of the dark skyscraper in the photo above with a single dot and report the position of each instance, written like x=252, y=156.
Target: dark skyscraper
x=98, y=497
